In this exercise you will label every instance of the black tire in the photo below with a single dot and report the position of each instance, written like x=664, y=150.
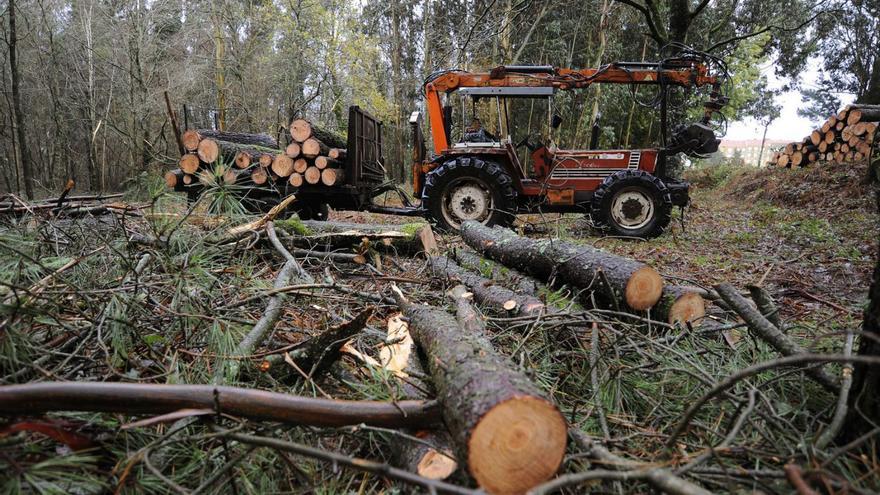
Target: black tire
x=476, y=180
x=632, y=203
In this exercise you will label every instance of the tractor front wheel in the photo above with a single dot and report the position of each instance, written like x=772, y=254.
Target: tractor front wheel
x=469, y=188
x=632, y=203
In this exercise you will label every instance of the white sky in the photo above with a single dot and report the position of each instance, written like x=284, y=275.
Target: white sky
x=789, y=126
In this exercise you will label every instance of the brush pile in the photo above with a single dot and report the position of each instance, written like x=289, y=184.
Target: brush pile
x=845, y=137
x=312, y=156
x=192, y=353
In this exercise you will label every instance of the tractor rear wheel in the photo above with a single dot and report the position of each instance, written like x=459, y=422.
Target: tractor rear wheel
x=469, y=188
x=632, y=203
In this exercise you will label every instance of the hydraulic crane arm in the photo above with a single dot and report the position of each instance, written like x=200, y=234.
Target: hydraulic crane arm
x=676, y=72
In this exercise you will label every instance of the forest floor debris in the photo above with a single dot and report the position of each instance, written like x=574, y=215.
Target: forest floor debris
x=81, y=303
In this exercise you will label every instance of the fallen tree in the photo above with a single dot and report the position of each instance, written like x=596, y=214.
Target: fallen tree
x=511, y=437
x=618, y=282
x=509, y=277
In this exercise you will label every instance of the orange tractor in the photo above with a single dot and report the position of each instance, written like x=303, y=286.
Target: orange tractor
x=474, y=174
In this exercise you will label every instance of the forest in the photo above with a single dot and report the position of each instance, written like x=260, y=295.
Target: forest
x=438, y=246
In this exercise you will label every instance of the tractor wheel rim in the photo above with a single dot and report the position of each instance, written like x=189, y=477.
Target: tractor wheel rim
x=632, y=209
x=466, y=198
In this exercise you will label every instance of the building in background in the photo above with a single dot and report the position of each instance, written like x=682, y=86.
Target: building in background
x=749, y=150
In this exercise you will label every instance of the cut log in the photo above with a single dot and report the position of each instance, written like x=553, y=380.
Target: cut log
x=296, y=179
x=242, y=159
x=796, y=159
x=312, y=147
x=399, y=356
x=266, y=160
x=816, y=137
x=511, y=437
x=259, y=176
x=823, y=147
x=191, y=139
x=681, y=304
x=485, y=291
x=293, y=150
x=510, y=277
x=263, y=140
x=789, y=149
x=337, y=154
x=188, y=179
x=189, y=163
x=282, y=165
x=301, y=130
x=839, y=125
x=300, y=165
x=618, y=282
x=323, y=162
x=863, y=113
x=784, y=160
x=830, y=136
x=229, y=176
x=312, y=175
x=314, y=234
x=208, y=150
x=174, y=179
x=332, y=176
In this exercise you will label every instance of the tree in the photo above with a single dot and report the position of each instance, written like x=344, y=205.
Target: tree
x=864, y=399
x=20, y=129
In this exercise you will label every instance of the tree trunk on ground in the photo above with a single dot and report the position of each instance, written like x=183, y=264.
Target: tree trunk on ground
x=485, y=291
x=23, y=151
x=618, y=282
x=510, y=277
x=680, y=305
x=302, y=129
x=511, y=437
x=864, y=398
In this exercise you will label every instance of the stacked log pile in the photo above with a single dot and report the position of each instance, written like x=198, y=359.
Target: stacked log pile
x=848, y=136
x=313, y=156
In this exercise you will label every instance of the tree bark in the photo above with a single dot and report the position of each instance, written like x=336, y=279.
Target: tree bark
x=20, y=129
x=618, y=282
x=302, y=129
x=485, y=291
x=136, y=398
x=263, y=140
x=864, y=399
x=510, y=277
x=511, y=437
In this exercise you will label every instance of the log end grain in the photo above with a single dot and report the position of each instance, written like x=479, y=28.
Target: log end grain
x=300, y=165
x=282, y=165
x=208, y=150
x=644, y=288
x=517, y=444
x=259, y=176
x=170, y=179
x=300, y=130
x=312, y=175
x=292, y=150
x=189, y=163
x=296, y=179
x=242, y=159
x=436, y=465
x=266, y=160
x=190, y=139
x=688, y=307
